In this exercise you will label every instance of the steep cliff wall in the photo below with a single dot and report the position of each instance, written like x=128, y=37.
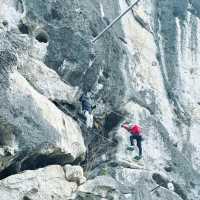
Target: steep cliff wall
x=144, y=70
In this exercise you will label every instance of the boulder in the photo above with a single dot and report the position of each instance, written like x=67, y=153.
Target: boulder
x=74, y=174
x=35, y=120
x=47, y=82
x=99, y=186
x=46, y=183
x=32, y=127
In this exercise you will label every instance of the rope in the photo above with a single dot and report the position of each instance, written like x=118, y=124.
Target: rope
x=114, y=21
x=154, y=189
x=108, y=140
x=80, y=121
x=111, y=141
x=83, y=74
x=125, y=117
x=99, y=135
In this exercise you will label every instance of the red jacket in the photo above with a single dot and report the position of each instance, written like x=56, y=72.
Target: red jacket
x=133, y=129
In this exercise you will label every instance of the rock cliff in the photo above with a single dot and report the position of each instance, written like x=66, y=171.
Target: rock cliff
x=144, y=70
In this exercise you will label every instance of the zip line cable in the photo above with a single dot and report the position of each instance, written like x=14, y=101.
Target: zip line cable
x=94, y=40
x=108, y=27
x=144, y=57
x=114, y=21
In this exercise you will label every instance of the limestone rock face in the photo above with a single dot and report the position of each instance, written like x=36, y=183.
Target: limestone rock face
x=75, y=174
x=33, y=131
x=144, y=70
x=42, y=127
x=29, y=116
x=47, y=82
x=99, y=187
x=45, y=183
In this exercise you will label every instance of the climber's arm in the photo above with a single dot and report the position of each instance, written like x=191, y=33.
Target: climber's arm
x=125, y=126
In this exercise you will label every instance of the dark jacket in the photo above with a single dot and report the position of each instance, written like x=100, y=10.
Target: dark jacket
x=86, y=103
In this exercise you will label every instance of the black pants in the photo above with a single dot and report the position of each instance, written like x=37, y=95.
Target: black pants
x=139, y=142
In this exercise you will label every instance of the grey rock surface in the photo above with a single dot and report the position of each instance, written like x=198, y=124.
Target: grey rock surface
x=144, y=70
x=74, y=174
x=47, y=82
x=32, y=121
x=45, y=183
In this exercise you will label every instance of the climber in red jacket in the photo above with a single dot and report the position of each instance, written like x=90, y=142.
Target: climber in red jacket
x=136, y=134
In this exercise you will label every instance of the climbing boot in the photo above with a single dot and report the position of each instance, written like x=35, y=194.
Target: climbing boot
x=130, y=148
x=137, y=157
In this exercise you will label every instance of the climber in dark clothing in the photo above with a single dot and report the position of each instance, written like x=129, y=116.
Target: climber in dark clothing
x=87, y=109
x=136, y=134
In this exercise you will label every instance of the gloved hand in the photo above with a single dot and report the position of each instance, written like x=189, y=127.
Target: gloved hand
x=123, y=125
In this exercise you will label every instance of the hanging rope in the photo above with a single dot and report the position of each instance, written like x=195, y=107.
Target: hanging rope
x=81, y=122
x=114, y=21
x=154, y=189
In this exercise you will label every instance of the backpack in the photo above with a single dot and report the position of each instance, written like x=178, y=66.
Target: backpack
x=136, y=129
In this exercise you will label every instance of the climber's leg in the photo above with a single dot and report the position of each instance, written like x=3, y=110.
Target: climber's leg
x=87, y=115
x=131, y=147
x=132, y=140
x=91, y=121
x=139, y=145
